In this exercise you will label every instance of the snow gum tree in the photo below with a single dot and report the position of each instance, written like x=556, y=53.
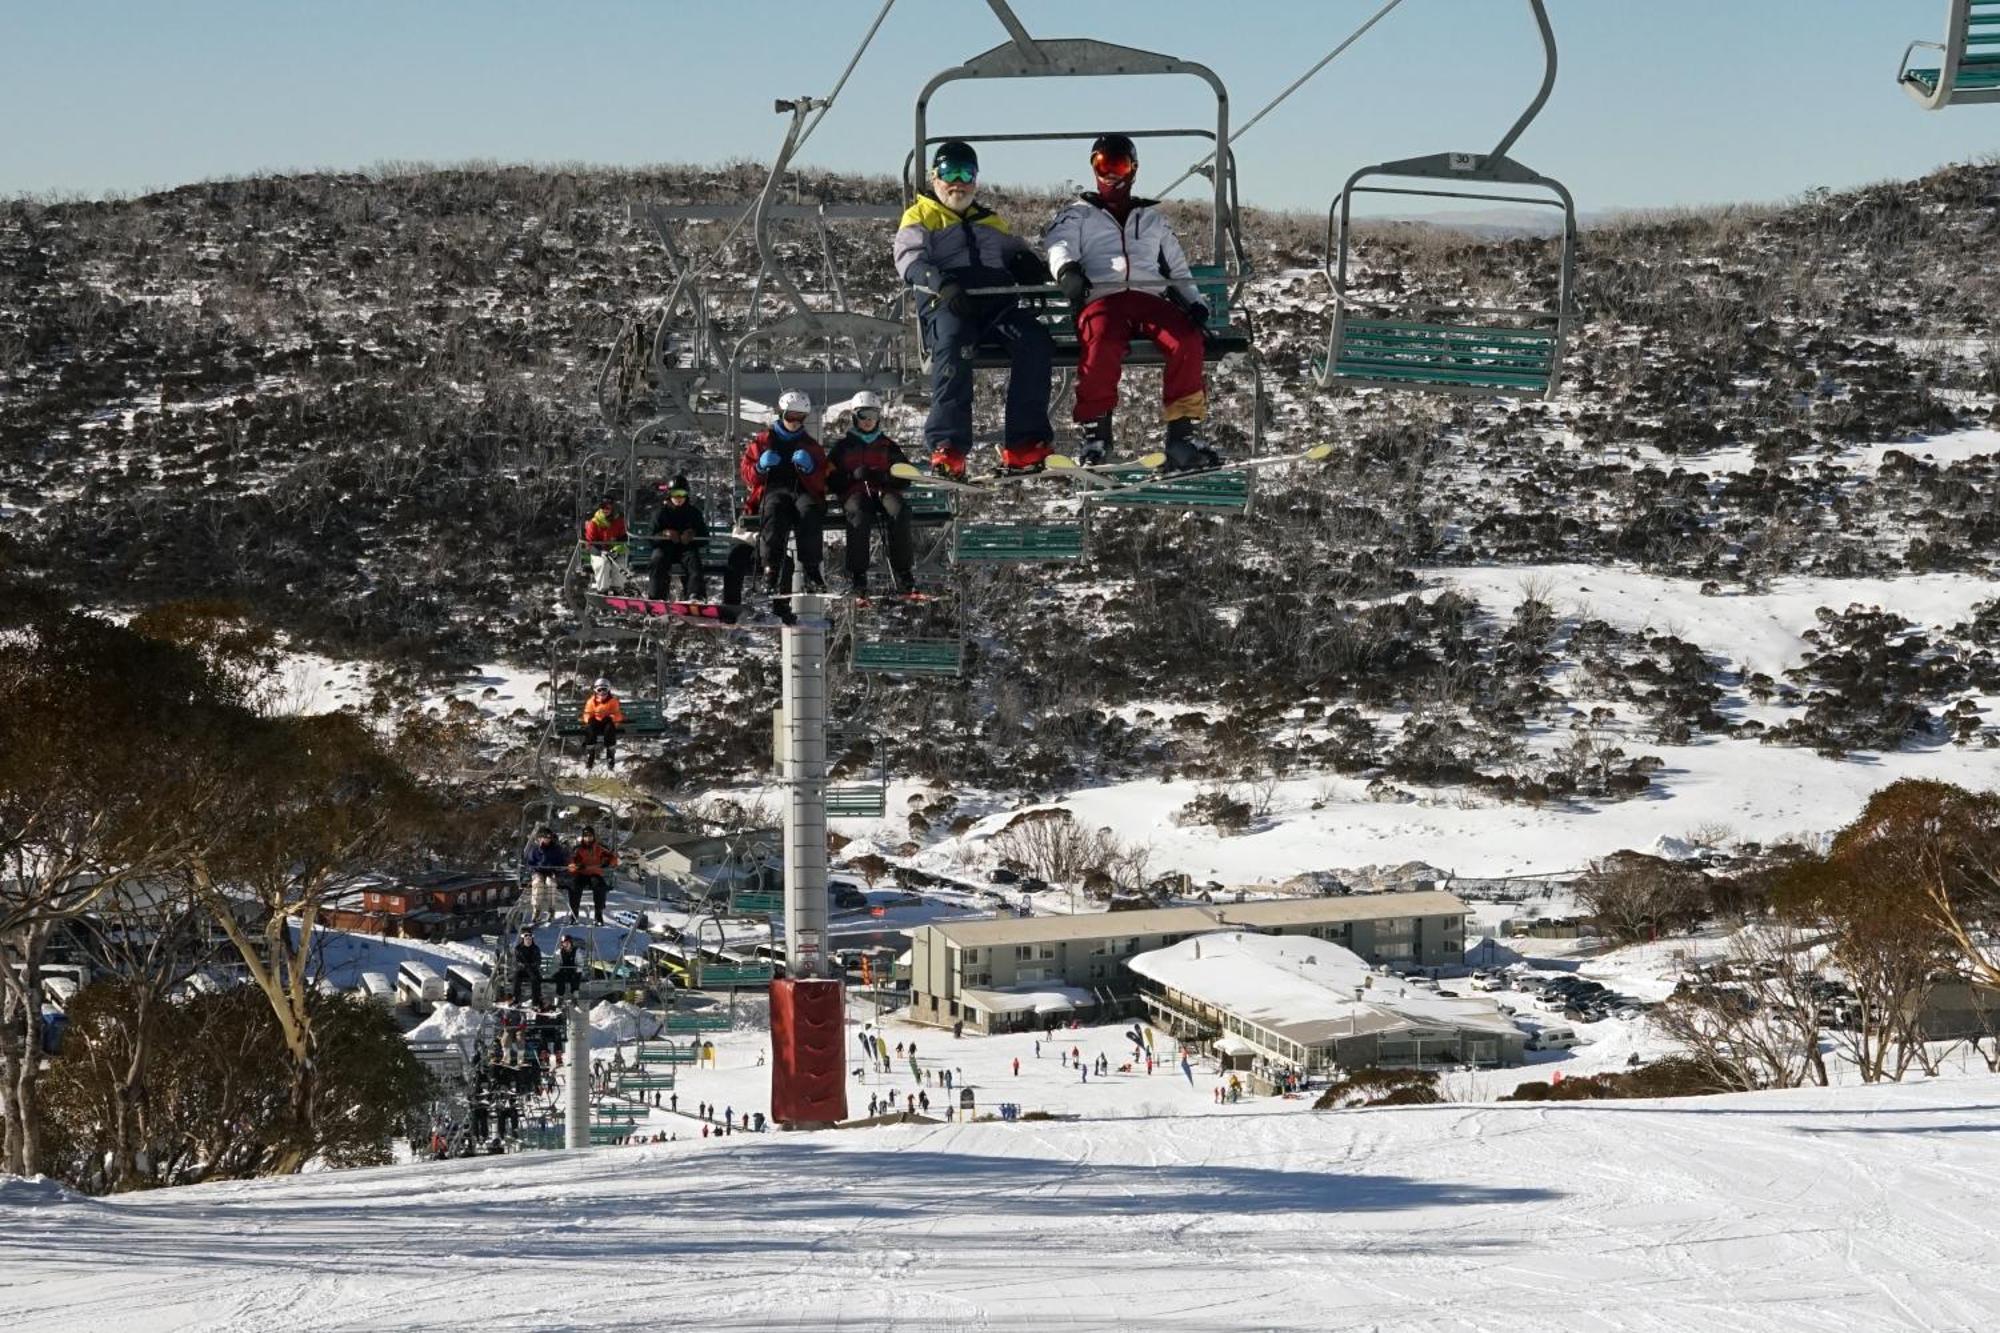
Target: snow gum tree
x=1893, y=892
x=96, y=723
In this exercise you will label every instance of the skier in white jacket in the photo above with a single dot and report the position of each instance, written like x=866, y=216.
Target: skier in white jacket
x=1125, y=275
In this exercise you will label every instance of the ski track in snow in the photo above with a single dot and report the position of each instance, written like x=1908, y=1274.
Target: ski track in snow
x=1857, y=1208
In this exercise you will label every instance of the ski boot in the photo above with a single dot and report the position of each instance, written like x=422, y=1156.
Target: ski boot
x=814, y=581
x=947, y=461
x=1185, y=453
x=1094, y=441
x=1027, y=457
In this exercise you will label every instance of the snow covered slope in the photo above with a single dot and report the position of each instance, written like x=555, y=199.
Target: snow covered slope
x=1855, y=1209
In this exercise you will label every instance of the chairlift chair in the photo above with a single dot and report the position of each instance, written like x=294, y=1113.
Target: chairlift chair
x=1426, y=345
x=1220, y=279
x=1968, y=68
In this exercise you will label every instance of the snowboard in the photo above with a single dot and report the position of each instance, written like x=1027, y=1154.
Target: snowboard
x=1157, y=471
x=1055, y=466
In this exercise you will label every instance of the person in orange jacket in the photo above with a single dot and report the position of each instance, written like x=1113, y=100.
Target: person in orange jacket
x=601, y=719
x=589, y=864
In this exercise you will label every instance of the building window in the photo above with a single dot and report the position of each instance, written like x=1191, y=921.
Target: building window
x=971, y=1014
x=954, y=1008
x=1048, y=954
x=1396, y=950
x=971, y=955
x=1023, y=952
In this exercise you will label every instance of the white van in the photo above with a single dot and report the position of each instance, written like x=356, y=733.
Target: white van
x=1553, y=1039
x=468, y=985
x=419, y=986
x=375, y=986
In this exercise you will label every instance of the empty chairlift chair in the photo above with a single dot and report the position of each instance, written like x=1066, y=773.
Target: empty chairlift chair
x=1968, y=68
x=1413, y=343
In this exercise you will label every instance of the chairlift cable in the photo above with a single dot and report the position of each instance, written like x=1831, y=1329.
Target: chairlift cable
x=1291, y=88
x=697, y=266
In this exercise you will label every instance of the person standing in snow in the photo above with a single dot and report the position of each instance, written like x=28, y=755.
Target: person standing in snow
x=1125, y=275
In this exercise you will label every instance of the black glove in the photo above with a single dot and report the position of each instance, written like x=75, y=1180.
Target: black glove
x=1074, y=285
x=1027, y=268
x=1197, y=312
x=953, y=298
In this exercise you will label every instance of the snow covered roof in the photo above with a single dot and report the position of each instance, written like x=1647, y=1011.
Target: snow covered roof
x=1039, y=999
x=1304, y=989
x=1188, y=920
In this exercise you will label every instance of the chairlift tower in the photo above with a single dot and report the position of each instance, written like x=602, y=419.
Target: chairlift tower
x=803, y=653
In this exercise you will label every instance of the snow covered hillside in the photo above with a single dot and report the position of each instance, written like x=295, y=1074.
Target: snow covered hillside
x=1701, y=1214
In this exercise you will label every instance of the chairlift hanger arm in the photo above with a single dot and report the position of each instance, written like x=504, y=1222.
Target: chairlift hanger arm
x=1205, y=165
x=1075, y=57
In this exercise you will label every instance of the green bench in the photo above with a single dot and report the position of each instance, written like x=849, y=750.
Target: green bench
x=643, y=717
x=1393, y=353
x=697, y=1022
x=707, y=975
x=993, y=543
x=756, y=902
x=1143, y=489
x=1053, y=314
x=909, y=657
x=1975, y=36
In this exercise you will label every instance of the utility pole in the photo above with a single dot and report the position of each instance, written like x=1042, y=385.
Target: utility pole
x=804, y=654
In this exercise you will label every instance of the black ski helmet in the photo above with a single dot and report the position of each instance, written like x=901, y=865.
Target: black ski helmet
x=954, y=153
x=1115, y=145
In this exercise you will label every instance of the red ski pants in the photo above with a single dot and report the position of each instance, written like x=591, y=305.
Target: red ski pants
x=1106, y=329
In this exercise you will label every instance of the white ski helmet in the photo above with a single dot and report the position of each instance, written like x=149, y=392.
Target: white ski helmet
x=865, y=401
x=600, y=684
x=793, y=401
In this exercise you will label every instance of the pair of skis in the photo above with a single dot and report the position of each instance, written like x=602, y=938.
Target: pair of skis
x=1102, y=477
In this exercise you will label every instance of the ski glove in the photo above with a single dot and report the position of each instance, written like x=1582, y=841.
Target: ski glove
x=1074, y=285
x=953, y=298
x=768, y=460
x=1197, y=312
x=803, y=461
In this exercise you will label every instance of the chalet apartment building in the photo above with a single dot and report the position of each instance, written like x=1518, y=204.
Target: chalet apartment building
x=980, y=972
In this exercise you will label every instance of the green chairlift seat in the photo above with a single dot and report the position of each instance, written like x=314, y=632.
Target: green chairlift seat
x=995, y=543
x=644, y=1080
x=756, y=902
x=710, y=975
x=1517, y=358
x=929, y=506
x=1969, y=59
x=666, y=1052
x=1413, y=342
x=909, y=657
x=643, y=717
x=857, y=800
x=1223, y=337
x=1224, y=492
x=695, y=1022
x=547, y=1137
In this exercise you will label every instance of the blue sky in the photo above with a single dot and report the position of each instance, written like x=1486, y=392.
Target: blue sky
x=1660, y=102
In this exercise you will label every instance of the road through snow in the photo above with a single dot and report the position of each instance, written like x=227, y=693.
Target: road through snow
x=1861, y=1208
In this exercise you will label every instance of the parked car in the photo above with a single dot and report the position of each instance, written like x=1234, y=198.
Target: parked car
x=847, y=898
x=1002, y=875
x=1553, y=1039
x=1484, y=981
